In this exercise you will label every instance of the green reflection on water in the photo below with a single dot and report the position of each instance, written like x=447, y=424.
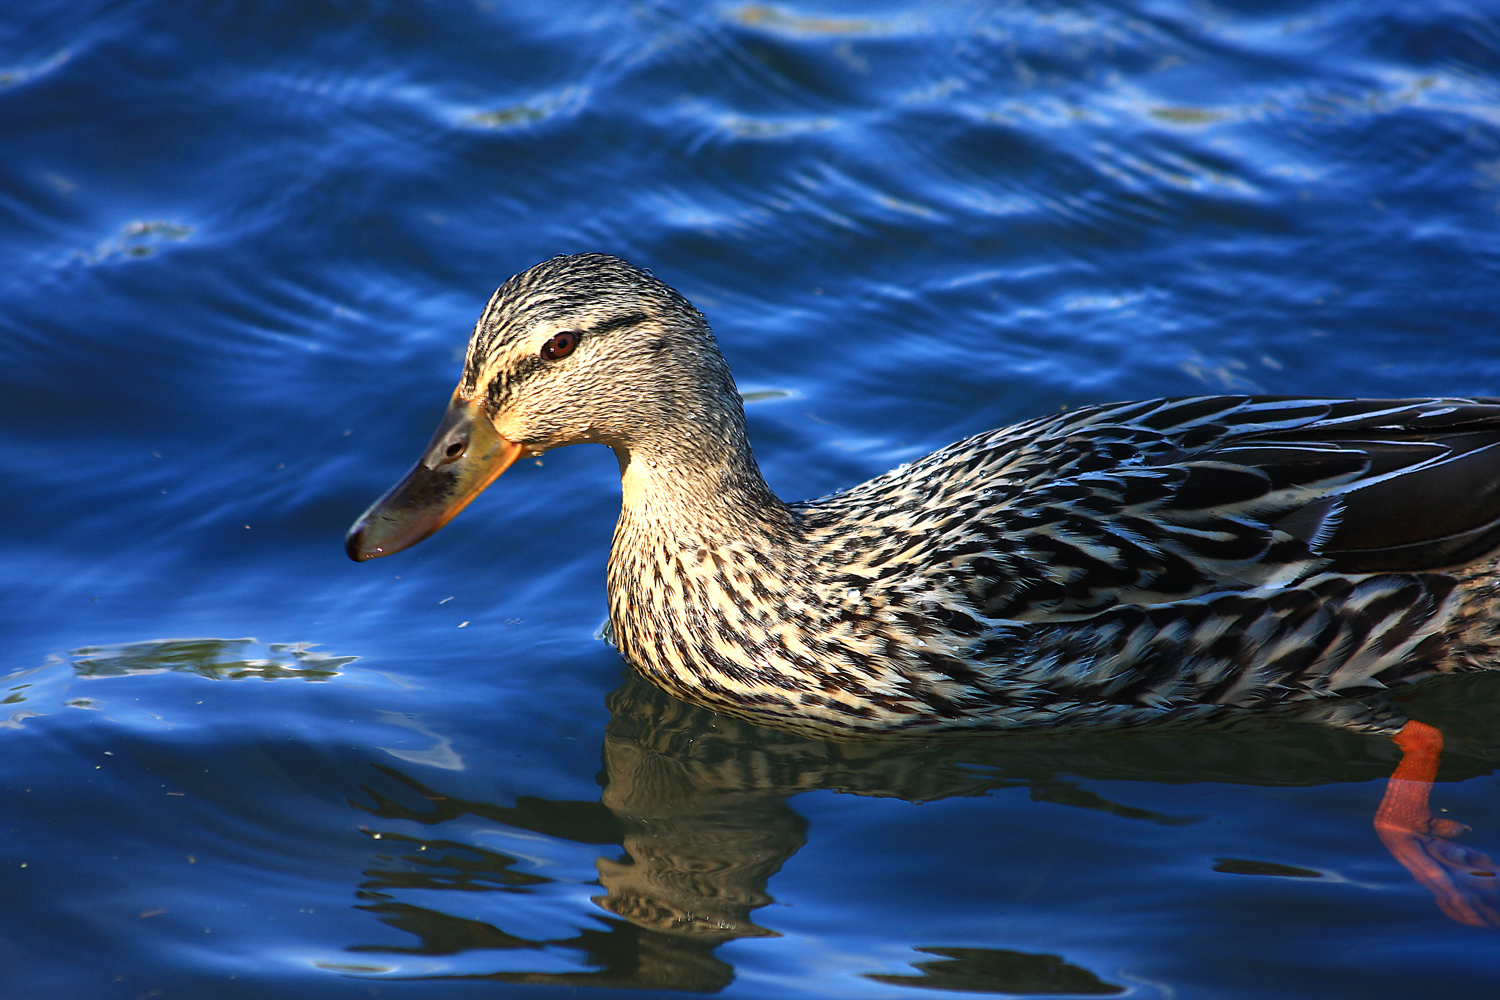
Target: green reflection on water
x=216, y=659
x=39, y=688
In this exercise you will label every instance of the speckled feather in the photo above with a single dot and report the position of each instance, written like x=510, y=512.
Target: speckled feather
x=1163, y=561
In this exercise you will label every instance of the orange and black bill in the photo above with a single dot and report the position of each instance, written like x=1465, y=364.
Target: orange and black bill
x=463, y=457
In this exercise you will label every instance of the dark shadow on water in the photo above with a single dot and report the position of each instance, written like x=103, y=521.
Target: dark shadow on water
x=995, y=970
x=699, y=805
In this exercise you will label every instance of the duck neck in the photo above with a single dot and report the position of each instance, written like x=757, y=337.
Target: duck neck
x=698, y=486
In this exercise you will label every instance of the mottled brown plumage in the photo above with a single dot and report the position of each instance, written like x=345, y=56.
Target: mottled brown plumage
x=1159, y=562
x=1149, y=562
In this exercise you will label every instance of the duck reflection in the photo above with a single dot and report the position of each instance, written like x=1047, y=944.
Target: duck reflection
x=699, y=805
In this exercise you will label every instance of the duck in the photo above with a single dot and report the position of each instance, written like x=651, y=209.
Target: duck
x=1177, y=561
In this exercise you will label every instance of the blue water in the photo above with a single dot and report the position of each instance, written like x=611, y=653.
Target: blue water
x=241, y=248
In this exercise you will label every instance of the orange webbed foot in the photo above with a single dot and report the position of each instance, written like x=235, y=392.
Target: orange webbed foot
x=1465, y=882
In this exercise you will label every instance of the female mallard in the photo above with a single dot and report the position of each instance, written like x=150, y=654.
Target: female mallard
x=1159, y=561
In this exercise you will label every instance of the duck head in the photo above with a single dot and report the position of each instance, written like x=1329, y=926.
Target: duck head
x=582, y=348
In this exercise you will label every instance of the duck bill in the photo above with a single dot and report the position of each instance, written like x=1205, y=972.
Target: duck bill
x=463, y=457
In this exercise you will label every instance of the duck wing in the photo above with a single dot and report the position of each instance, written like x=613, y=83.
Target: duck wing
x=1159, y=501
x=1405, y=485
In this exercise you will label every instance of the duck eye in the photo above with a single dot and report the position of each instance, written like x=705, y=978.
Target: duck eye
x=560, y=346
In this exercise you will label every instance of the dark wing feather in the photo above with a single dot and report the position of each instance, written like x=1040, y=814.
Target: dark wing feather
x=1429, y=496
x=1443, y=513
x=1163, y=500
x=1426, y=494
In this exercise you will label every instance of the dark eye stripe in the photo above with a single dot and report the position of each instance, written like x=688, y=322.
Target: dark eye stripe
x=620, y=322
x=565, y=343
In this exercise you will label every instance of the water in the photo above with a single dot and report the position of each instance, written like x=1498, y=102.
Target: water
x=242, y=246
